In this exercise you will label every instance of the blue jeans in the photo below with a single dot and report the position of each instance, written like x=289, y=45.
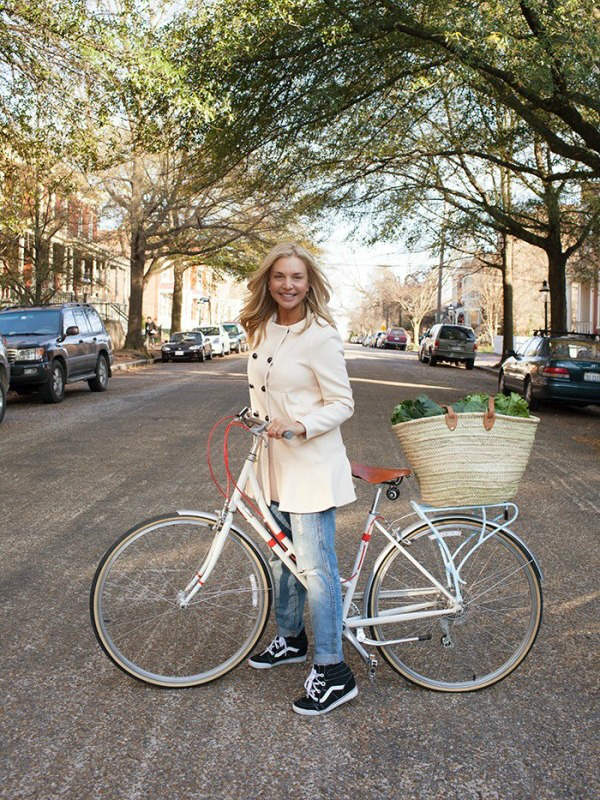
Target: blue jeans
x=313, y=536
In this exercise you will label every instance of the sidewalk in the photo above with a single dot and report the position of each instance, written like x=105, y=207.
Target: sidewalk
x=488, y=361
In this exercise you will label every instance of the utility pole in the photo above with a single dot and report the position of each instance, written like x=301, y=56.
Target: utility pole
x=438, y=315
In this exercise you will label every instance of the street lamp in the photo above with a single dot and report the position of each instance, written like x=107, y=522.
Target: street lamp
x=545, y=290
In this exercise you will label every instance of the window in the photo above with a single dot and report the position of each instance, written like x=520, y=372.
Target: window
x=82, y=322
x=34, y=322
x=455, y=333
x=94, y=320
x=533, y=345
x=68, y=319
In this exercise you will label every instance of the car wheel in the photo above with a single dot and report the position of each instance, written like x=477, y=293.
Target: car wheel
x=100, y=382
x=470, y=363
x=502, y=385
x=402, y=347
x=528, y=395
x=2, y=401
x=53, y=391
x=201, y=356
x=164, y=359
x=432, y=360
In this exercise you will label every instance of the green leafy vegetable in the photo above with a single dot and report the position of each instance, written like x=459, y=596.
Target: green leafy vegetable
x=513, y=406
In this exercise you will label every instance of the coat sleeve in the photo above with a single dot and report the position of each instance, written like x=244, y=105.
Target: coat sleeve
x=329, y=368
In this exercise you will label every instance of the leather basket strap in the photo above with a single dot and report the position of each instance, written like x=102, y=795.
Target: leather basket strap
x=451, y=418
x=490, y=415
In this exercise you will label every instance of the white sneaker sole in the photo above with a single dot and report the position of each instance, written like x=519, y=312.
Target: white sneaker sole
x=295, y=660
x=310, y=713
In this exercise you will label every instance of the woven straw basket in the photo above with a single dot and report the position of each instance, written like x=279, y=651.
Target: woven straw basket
x=468, y=459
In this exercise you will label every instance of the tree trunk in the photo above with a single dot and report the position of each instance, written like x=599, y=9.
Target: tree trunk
x=137, y=262
x=557, y=281
x=178, y=273
x=507, y=296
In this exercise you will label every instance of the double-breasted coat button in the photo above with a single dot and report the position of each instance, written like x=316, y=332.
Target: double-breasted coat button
x=254, y=355
x=256, y=413
x=251, y=385
x=267, y=419
x=269, y=359
x=263, y=389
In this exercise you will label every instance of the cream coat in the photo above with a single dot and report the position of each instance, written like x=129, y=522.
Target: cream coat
x=302, y=375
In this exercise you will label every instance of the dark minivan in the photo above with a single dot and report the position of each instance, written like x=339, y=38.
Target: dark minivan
x=50, y=346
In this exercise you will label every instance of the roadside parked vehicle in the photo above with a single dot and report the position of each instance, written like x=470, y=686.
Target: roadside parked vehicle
x=50, y=346
x=379, y=339
x=453, y=343
x=237, y=337
x=4, y=378
x=187, y=346
x=558, y=368
x=396, y=337
x=219, y=338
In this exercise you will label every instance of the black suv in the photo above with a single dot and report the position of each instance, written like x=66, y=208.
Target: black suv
x=50, y=346
x=4, y=378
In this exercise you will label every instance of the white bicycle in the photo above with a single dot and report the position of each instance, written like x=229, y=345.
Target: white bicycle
x=453, y=601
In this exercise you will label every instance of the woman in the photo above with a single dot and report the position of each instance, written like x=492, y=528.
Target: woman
x=298, y=382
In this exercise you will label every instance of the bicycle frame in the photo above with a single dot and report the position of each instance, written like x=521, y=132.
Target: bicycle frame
x=283, y=547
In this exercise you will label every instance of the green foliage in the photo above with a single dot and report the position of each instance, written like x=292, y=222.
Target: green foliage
x=513, y=406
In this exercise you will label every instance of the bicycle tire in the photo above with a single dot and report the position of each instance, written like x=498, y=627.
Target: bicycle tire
x=502, y=609
x=134, y=606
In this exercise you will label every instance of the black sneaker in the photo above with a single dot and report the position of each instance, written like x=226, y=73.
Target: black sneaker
x=282, y=650
x=326, y=687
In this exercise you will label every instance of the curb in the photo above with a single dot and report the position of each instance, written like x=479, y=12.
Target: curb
x=125, y=365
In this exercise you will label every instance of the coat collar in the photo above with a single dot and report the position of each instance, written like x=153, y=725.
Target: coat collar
x=296, y=327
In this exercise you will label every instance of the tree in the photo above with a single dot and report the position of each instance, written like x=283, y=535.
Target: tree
x=417, y=297
x=299, y=64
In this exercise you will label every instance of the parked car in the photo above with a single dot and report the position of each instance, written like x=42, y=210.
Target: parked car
x=187, y=346
x=378, y=339
x=396, y=337
x=237, y=337
x=367, y=339
x=453, y=343
x=219, y=338
x=4, y=378
x=50, y=346
x=563, y=369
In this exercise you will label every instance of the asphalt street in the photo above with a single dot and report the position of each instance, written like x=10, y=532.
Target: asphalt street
x=73, y=477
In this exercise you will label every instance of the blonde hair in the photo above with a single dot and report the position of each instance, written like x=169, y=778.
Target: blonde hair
x=260, y=306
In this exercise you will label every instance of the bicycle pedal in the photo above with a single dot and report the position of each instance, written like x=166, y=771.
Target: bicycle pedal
x=372, y=667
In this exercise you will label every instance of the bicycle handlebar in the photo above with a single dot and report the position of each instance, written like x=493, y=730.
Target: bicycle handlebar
x=259, y=425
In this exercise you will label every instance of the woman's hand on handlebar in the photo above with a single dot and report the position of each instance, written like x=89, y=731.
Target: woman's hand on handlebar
x=278, y=426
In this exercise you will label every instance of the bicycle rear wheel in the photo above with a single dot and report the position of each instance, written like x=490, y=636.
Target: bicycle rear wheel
x=136, y=614
x=484, y=643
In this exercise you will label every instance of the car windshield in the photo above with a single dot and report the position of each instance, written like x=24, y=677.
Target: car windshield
x=231, y=329
x=575, y=349
x=178, y=337
x=210, y=331
x=13, y=323
x=456, y=333
x=396, y=331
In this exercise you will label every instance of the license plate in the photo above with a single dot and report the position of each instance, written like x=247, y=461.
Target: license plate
x=591, y=376
x=178, y=352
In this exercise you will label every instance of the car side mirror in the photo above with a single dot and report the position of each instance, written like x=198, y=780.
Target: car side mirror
x=72, y=330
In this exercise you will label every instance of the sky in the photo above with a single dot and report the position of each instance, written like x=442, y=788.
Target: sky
x=351, y=264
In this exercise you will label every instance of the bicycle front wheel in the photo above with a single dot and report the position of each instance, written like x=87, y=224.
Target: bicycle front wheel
x=137, y=617
x=494, y=632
